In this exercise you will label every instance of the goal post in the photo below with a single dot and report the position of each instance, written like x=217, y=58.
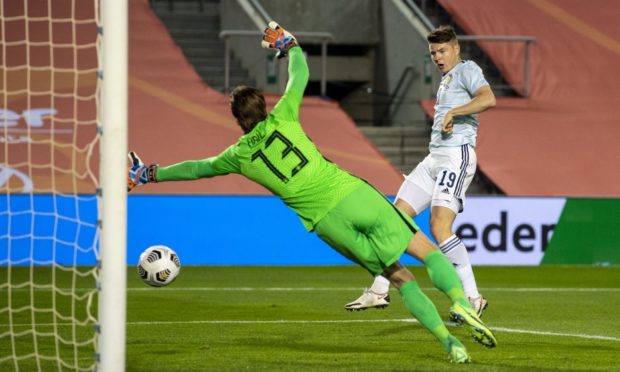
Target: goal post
x=113, y=180
x=63, y=146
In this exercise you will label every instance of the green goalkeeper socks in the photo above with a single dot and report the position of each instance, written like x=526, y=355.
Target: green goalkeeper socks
x=423, y=309
x=444, y=277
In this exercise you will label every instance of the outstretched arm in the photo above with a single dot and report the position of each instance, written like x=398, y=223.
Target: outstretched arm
x=190, y=170
x=224, y=163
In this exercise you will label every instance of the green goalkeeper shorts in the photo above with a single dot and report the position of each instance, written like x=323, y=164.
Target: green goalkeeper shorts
x=367, y=229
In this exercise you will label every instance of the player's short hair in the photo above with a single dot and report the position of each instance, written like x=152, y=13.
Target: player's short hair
x=441, y=35
x=248, y=107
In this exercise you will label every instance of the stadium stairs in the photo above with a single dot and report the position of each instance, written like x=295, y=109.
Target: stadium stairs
x=405, y=147
x=195, y=27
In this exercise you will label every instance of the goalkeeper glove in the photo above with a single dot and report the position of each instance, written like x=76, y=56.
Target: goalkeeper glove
x=139, y=174
x=275, y=37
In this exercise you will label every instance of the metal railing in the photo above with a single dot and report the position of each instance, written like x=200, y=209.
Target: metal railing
x=526, y=40
x=260, y=10
x=324, y=37
x=170, y=3
x=419, y=13
x=396, y=94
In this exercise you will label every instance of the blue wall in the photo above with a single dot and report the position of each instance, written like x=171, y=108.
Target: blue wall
x=204, y=230
x=42, y=229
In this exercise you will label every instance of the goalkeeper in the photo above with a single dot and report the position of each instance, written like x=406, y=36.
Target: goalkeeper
x=346, y=212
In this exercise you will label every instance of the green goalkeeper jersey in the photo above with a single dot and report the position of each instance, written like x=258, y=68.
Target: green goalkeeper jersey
x=279, y=155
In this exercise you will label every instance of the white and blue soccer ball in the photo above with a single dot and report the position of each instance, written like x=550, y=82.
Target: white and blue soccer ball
x=158, y=266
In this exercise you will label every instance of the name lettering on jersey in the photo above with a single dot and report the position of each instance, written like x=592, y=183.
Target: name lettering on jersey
x=256, y=138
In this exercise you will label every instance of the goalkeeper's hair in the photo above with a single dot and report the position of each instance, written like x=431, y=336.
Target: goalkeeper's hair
x=441, y=35
x=248, y=107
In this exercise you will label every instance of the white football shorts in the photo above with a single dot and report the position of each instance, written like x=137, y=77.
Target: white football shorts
x=441, y=179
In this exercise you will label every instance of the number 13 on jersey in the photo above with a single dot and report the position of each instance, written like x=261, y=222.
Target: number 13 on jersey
x=289, y=150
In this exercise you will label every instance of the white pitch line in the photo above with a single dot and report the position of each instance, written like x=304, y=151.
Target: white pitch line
x=348, y=321
x=407, y=320
x=559, y=334
x=281, y=321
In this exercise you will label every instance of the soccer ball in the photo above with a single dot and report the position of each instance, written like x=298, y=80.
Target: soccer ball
x=158, y=266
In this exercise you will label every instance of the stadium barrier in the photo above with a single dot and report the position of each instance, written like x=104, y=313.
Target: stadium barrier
x=261, y=230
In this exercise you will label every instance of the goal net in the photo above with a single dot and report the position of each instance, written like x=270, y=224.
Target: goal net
x=49, y=90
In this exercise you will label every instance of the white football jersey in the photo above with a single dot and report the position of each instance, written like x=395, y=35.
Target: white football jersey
x=457, y=88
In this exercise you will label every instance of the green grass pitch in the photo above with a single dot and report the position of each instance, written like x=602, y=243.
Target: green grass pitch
x=292, y=318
